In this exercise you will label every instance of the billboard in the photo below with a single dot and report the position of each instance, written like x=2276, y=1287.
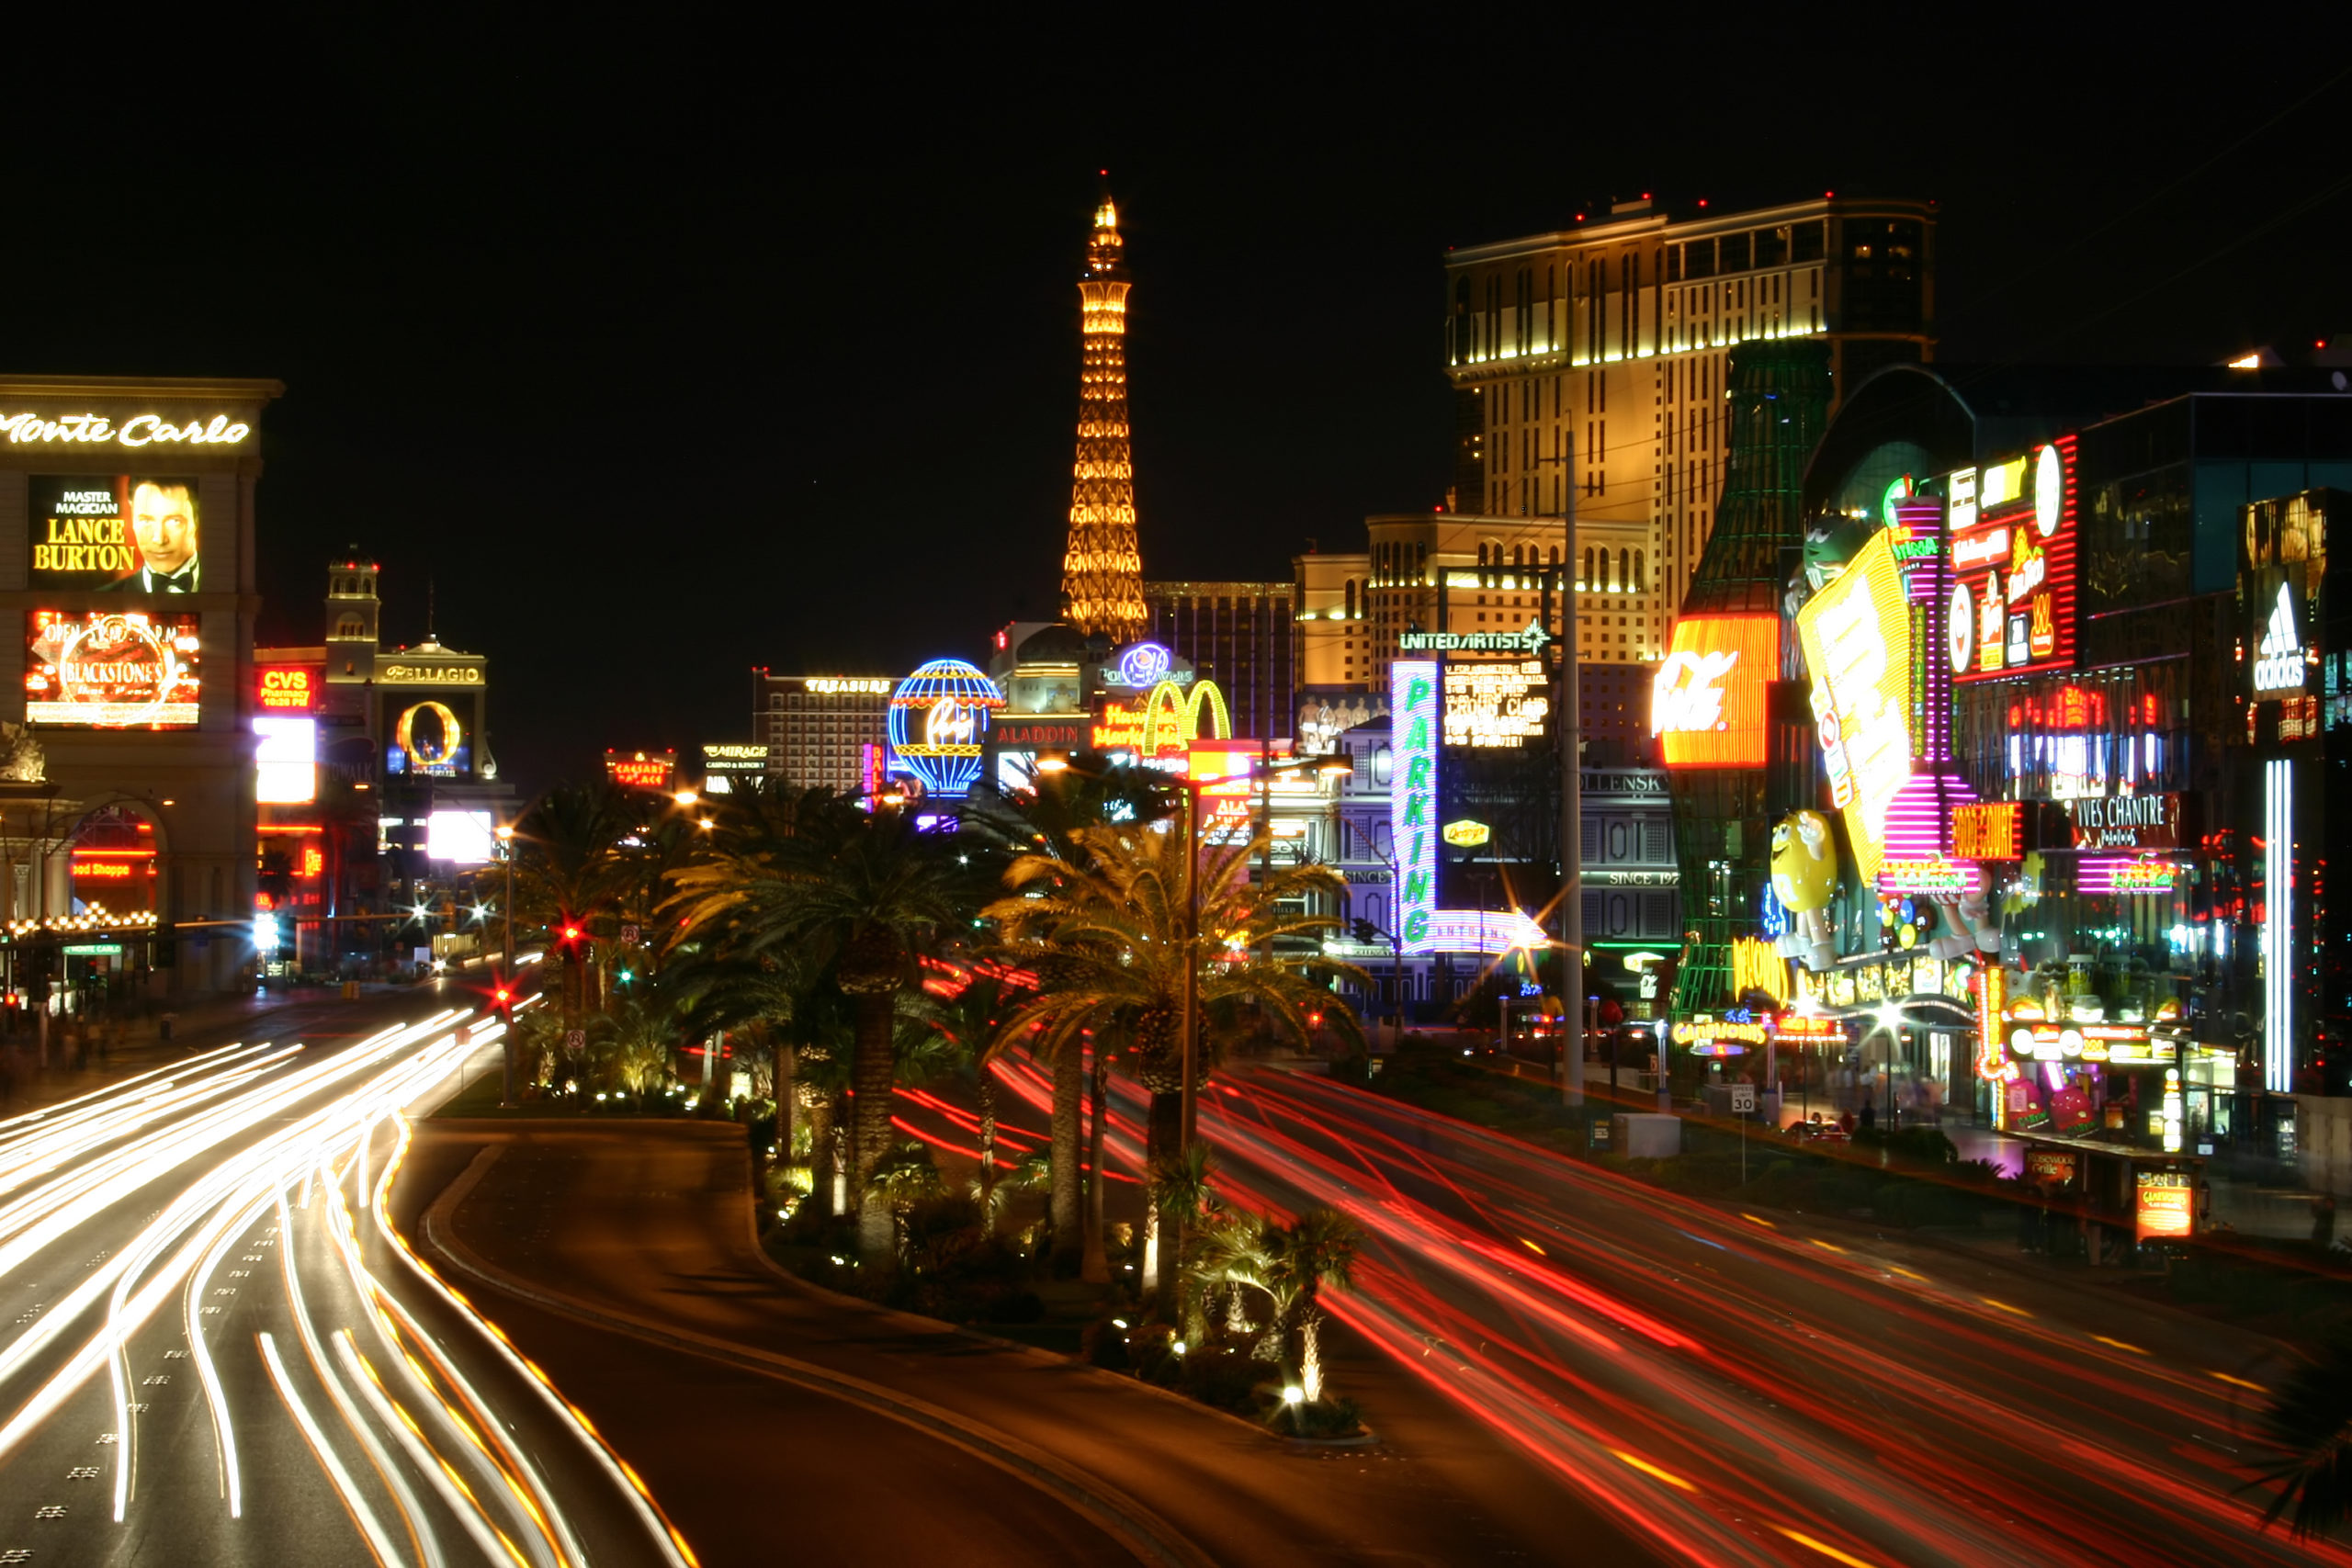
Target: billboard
x=1496, y=706
x=425, y=739
x=132, y=533
x=111, y=669
x=1856, y=637
x=286, y=759
x=1707, y=701
x=1412, y=799
x=288, y=688
x=641, y=770
x=461, y=838
x=2013, y=560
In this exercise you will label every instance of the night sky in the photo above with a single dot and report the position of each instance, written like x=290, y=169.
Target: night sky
x=664, y=349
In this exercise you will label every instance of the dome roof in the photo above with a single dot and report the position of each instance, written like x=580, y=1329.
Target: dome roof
x=1058, y=643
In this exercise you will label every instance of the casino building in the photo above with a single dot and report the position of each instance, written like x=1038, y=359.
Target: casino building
x=821, y=731
x=127, y=813
x=380, y=796
x=2051, y=804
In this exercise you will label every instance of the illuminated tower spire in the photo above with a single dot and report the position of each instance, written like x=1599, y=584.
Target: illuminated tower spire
x=1101, y=572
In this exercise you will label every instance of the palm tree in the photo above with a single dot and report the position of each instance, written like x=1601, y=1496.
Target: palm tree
x=1089, y=792
x=568, y=870
x=1181, y=1189
x=868, y=892
x=1317, y=1248
x=632, y=1044
x=1107, y=931
x=2309, y=1425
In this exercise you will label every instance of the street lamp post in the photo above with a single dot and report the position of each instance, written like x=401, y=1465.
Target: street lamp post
x=506, y=974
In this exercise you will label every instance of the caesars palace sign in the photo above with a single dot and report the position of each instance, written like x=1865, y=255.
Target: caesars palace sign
x=140, y=430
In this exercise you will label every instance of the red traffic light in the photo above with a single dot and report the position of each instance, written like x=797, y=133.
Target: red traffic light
x=503, y=994
x=572, y=933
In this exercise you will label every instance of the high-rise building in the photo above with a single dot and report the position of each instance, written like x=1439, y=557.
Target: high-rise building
x=1102, y=571
x=817, y=728
x=1237, y=633
x=1594, y=356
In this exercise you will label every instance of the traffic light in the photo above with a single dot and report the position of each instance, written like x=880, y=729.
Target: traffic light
x=504, y=1000
x=1364, y=931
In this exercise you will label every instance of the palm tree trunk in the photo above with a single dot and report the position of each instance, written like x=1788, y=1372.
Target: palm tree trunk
x=1095, y=1267
x=1166, y=1133
x=988, y=1144
x=784, y=1066
x=820, y=1156
x=1070, y=1085
x=873, y=1070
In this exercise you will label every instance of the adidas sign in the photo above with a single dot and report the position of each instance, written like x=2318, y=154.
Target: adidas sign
x=2280, y=666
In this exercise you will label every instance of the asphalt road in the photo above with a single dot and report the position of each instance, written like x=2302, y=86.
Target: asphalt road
x=214, y=1352
x=1759, y=1388
x=880, y=1438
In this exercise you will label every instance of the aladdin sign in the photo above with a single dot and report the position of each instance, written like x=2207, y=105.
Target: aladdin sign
x=142, y=430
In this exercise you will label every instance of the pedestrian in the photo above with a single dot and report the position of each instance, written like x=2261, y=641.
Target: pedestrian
x=1846, y=1122
x=2324, y=1222
x=1869, y=1114
x=164, y=1026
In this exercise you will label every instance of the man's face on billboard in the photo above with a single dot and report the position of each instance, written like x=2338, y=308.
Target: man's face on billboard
x=162, y=520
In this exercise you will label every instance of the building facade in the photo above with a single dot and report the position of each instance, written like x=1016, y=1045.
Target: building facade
x=128, y=533
x=1589, y=363
x=821, y=731
x=377, y=787
x=1239, y=635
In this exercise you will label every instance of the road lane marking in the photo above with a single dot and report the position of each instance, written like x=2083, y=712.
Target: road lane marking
x=2119, y=1344
x=2004, y=1306
x=1823, y=1547
x=1649, y=1469
x=2239, y=1381
x=1759, y=1220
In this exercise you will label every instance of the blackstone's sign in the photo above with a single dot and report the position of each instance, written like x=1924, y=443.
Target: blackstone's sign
x=2127, y=822
x=431, y=676
x=1531, y=640
x=140, y=430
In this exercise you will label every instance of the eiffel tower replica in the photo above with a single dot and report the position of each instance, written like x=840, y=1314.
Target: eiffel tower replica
x=1102, y=570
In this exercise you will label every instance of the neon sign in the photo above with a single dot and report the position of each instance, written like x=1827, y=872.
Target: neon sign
x=1758, y=966
x=640, y=771
x=1495, y=704
x=1856, y=634
x=939, y=723
x=1143, y=665
x=2013, y=553
x=286, y=689
x=1707, y=699
x=2280, y=666
x=834, y=685
x=1993, y=831
x=1467, y=834
x=1167, y=724
x=1412, y=799
x=142, y=430
x=1932, y=877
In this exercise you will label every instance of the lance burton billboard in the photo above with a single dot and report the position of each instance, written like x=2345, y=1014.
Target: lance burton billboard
x=132, y=533
x=1707, y=702
x=2013, y=560
x=112, y=670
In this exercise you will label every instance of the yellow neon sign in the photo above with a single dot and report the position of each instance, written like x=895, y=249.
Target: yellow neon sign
x=1757, y=966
